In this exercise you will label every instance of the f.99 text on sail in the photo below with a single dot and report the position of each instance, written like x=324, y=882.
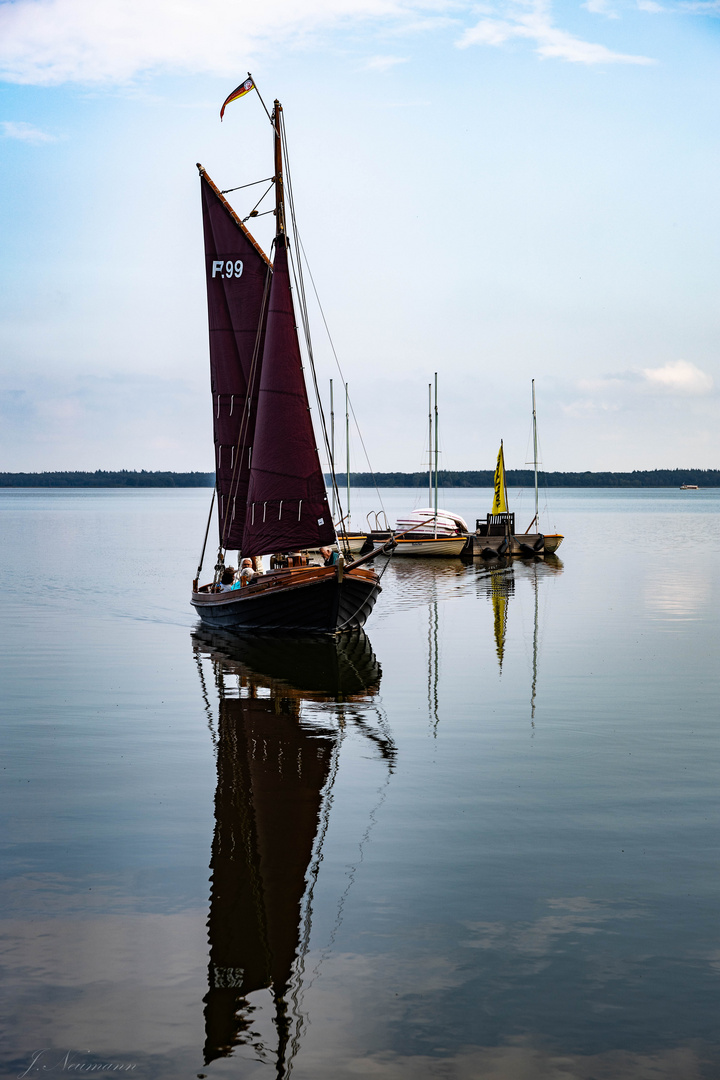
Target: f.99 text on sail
x=227, y=269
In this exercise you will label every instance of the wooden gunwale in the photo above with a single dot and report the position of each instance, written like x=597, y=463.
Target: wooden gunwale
x=278, y=582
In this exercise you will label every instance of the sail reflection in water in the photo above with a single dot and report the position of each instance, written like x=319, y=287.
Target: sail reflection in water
x=276, y=768
x=496, y=581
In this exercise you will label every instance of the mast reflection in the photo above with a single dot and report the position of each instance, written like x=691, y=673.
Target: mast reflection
x=496, y=581
x=276, y=767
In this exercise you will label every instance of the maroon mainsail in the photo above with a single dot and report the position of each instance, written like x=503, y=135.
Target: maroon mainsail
x=238, y=276
x=287, y=505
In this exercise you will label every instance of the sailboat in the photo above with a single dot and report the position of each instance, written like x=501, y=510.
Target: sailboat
x=552, y=540
x=430, y=531
x=496, y=535
x=275, y=774
x=270, y=490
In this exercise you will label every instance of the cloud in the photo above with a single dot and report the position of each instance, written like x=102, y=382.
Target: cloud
x=679, y=377
x=532, y=20
x=633, y=390
x=53, y=41
x=650, y=6
x=17, y=129
x=48, y=42
x=600, y=7
x=383, y=63
x=702, y=7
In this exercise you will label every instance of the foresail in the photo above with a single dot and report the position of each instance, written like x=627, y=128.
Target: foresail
x=238, y=276
x=287, y=502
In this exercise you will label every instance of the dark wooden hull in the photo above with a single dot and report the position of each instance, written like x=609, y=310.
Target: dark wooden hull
x=312, y=600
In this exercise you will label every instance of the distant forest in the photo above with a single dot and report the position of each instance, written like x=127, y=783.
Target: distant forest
x=101, y=478
x=483, y=478
x=656, y=478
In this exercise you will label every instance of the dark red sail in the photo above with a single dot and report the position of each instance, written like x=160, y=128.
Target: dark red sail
x=237, y=274
x=287, y=502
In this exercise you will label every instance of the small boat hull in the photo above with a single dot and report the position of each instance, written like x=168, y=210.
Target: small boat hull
x=442, y=546
x=553, y=541
x=356, y=543
x=308, y=600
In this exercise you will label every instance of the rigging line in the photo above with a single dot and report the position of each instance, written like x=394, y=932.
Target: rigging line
x=242, y=432
x=252, y=183
x=297, y=991
x=206, y=699
x=297, y=274
x=301, y=250
x=261, y=99
x=252, y=212
x=264, y=214
x=337, y=361
x=308, y=345
x=382, y=792
x=297, y=271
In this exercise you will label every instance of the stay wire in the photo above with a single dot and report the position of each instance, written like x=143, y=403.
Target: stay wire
x=301, y=250
x=266, y=192
x=342, y=376
x=298, y=274
x=252, y=183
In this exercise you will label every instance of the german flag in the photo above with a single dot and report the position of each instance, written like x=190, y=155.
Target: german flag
x=240, y=91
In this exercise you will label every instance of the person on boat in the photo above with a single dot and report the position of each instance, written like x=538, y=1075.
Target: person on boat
x=330, y=557
x=247, y=573
x=227, y=579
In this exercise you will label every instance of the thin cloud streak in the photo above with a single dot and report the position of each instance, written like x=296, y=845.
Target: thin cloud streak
x=18, y=129
x=532, y=21
x=48, y=42
x=384, y=63
x=600, y=7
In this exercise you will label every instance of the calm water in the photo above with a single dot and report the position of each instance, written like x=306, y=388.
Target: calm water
x=481, y=842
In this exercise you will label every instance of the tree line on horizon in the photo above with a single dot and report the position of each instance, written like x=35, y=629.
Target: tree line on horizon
x=481, y=478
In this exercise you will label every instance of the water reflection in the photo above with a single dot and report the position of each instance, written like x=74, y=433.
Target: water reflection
x=496, y=582
x=432, y=581
x=276, y=768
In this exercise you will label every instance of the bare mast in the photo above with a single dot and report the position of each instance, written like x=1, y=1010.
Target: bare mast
x=536, y=519
x=436, y=456
x=430, y=468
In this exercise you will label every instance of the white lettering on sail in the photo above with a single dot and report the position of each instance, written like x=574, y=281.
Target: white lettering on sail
x=227, y=269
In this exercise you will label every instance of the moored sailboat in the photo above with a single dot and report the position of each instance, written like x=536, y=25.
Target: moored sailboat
x=552, y=540
x=270, y=490
x=496, y=535
x=431, y=531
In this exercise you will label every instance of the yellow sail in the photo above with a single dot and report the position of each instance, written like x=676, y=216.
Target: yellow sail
x=499, y=505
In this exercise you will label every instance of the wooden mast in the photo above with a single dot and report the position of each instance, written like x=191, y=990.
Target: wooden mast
x=279, y=188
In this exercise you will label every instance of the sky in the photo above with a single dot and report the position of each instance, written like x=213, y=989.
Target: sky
x=497, y=192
